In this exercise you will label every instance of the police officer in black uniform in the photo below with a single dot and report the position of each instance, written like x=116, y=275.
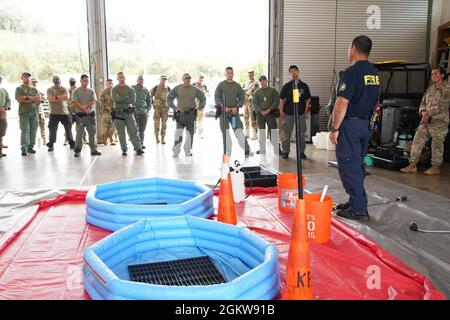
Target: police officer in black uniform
x=357, y=97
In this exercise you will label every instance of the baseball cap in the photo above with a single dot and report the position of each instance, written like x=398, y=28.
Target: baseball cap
x=33, y=79
x=26, y=74
x=263, y=77
x=186, y=75
x=251, y=71
x=163, y=77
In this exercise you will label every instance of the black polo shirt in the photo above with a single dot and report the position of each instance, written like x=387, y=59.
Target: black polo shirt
x=286, y=95
x=360, y=85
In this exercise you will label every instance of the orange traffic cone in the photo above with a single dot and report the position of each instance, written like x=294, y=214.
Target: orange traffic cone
x=227, y=211
x=298, y=273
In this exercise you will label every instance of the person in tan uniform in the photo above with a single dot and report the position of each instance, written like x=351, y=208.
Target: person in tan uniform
x=41, y=115
x=106, y=106
x=200, y=112
x=434, y=124
x=250, y=86
x=161, y=111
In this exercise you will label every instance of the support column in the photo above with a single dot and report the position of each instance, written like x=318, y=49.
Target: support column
x=275, y=43
x=98, y=57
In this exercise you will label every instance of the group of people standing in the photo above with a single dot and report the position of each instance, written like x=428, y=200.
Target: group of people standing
x=124, y=110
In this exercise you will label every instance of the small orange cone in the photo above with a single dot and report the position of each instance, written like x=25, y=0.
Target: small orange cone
x=298, y=273
x=226, y=212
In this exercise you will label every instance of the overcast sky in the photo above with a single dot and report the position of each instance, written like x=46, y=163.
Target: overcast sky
x=226, y=30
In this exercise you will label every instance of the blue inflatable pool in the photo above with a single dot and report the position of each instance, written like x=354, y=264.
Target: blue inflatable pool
x=115, y=205
x=248, y=263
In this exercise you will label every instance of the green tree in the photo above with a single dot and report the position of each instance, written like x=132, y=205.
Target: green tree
x=121, y=33
x=13, y=19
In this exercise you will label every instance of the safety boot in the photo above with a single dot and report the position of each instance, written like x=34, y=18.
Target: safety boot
x=157, y=139
x=433, y=171
x=162, y=140
x=411, y=168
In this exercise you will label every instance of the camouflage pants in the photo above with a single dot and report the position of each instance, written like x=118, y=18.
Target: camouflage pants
x=108, y=129
x=160, y=116
x=249, y=116
x=42, y=126
x=200, y=116
x=437, y=132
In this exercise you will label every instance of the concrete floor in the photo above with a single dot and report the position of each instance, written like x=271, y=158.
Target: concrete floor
x=61, y=170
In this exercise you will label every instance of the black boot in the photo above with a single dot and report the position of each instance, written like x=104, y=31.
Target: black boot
x=352, y=215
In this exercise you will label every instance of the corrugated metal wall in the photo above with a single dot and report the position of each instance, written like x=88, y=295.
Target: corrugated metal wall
x=309, y=32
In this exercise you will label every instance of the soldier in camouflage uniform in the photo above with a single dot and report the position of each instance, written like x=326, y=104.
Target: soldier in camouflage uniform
x=41, y=115
x=434, y=124
x=161, y=111
x=200, y=111
x=250, y=86
x=106, y=106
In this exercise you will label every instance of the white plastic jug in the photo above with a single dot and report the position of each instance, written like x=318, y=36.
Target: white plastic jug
x=238, y=182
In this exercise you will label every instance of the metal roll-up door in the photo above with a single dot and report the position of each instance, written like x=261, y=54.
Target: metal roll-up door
x=309, y=33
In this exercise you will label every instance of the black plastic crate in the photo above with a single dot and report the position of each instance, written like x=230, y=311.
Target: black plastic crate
x=199, y=271
x=254, y=178
x=392, y=163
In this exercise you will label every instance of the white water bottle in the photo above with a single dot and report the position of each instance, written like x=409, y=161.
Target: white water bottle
x=238, y=182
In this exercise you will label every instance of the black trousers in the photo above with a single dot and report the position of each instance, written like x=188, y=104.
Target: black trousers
x=53, y=123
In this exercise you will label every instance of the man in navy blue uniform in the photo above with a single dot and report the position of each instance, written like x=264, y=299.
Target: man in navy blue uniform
x=287, y=112
x=357, y=97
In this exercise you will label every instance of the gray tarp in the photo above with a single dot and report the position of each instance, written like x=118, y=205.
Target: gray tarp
x=428, y=254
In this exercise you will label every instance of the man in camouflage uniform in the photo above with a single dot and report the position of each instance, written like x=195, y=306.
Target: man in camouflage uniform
x=200, y=111
x=5, y=105
x=28, y=98
x=106, y=106
x=41, y=114
x=250, y=86
x=142, y=106
x=434, y=124
x=160, y=109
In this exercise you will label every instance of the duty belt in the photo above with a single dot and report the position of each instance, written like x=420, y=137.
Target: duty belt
x=189, y=111
x=126, y=111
